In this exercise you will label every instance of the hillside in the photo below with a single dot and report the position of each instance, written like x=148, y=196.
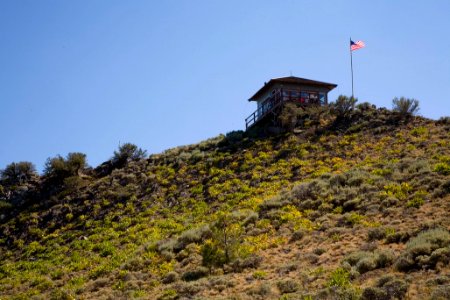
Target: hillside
x=344, y=207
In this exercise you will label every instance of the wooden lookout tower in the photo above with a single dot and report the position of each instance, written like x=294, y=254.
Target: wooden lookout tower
x=274, y=94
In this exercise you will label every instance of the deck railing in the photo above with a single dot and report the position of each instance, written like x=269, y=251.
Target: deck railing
x=280, y=96
x=268, y=106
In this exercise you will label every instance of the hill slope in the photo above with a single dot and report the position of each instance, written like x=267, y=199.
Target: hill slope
x=341, y=208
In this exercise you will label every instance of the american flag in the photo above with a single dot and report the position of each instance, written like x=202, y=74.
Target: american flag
x=357, y=45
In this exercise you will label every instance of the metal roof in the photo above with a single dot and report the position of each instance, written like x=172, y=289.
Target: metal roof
x=291, y=80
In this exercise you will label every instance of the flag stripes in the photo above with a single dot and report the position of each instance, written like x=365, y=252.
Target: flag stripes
x=356, y=45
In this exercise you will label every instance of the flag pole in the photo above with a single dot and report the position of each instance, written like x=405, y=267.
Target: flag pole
x=351, y=63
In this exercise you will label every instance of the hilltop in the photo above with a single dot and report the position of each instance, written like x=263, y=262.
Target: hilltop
x=342, y=205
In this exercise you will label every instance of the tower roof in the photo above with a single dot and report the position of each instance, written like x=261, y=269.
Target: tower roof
x=291, y=80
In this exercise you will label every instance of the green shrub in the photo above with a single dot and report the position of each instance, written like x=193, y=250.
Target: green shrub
x=387, y=287
x=60, y=168
x=18, y=173
x=289, y=116
x=251, y=218
x=355, y=257
x=272, y=203
x=253, y=262
x=343, y=105
x=105, y=248
x=192, y=236
x=405, y=106
x=439, y=280
x=263, y=290
x=437, y=238
x=374, y=293
x=287, y=268
x=384, y=258
x=166, y=245
x=319, y=251
x=335, y=292
x=396, y=237
x=425, y=250
x=226, y=237
x=76, y=162
x=444, y=120
x=339, y=278
x=4, y=205
x=377, y=233
x=419, y=131
x=338, y=180
x=297, y=235
x=364, y=261
x=235, y=136
x=395, y=288
x=134, y=264
x=415, y=202
x=195, y=274
x=366, y=264
x=287, y=286
x=186, y=290
x=365, y=106
x=168, y=294
x=222, y=246
x=61, y=294
x=442, y=168
x=126, y=153
x=304, y=191
x=441, y=293
x=356, y=177
x=444, y=189
x=211, y=255
x=417, y=166
x=170, y=277
x=73, y=184
x=352, y=218
x=259, y=274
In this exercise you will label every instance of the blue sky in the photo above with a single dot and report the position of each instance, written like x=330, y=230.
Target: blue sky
x=84, y=76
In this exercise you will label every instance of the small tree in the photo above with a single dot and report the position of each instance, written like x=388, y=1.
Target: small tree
x=61, y=168
x=18, y=173
x=55, y=166
x=76, y=162
x=344, y=105
x=127, y=152
x=405, y=106
x=211, y=255
x=223, y=247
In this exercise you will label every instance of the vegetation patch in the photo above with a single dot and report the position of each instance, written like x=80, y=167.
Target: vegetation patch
x=311, y=212
x=426, y=250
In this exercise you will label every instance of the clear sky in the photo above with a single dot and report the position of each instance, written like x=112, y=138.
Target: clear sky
x=84, y=76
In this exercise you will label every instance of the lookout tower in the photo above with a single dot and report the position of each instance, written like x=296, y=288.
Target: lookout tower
x=271, y=97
